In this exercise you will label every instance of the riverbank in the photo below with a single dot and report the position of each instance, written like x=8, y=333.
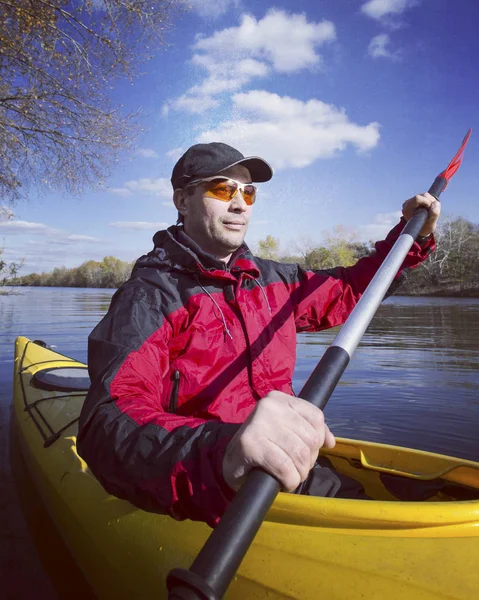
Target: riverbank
x=455, y=292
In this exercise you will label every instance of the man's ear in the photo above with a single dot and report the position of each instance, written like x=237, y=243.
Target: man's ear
x=179, y=199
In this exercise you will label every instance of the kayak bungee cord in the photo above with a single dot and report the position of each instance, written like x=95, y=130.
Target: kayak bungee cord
x=32, y=408
x=216, y=564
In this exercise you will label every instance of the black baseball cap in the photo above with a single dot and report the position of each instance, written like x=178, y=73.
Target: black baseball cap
x=206, y=160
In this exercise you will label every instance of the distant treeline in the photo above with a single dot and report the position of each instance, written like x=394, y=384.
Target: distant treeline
x=111, y=272
x=452, y=270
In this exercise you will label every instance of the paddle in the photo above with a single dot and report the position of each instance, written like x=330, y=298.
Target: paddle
x=214, y=567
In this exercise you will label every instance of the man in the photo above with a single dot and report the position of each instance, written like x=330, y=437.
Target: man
x=192, y=366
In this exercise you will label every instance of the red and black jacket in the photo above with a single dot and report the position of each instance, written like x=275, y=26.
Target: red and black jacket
x=186, y=350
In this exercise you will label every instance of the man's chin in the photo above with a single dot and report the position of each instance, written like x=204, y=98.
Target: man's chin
x=231, y=243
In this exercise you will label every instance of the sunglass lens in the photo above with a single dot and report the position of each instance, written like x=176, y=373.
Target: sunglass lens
x=249, y=194
x=223, y=190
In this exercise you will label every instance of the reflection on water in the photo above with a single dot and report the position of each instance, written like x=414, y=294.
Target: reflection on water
x=413, y=381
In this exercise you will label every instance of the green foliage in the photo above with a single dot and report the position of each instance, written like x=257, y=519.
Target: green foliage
x=318, y=258
x=339, y=249
x=111, y=272
x=268, y=248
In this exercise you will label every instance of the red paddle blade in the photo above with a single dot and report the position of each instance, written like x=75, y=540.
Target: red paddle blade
x=455, y=163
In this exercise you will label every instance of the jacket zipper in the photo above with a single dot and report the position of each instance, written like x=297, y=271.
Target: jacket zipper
x=239, y=314
x=174, y=392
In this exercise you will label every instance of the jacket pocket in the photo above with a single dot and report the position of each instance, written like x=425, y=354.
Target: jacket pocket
x=174, y=392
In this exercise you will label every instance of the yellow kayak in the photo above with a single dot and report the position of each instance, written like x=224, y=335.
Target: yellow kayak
x=307, y=548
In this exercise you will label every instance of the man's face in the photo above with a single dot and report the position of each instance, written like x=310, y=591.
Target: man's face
x=218, y=227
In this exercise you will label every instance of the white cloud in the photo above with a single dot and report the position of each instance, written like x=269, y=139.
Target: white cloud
x=212, y=9
x=47, y=234
x=252, y=68
x=289, y=132
x=379, y=47
x=71, y=240
x=378, y=9
x=82, y=238
x=175, y=153
x=23, y=226
x=135, y=225
x=160, y=187
x=233, y=57
x=120, y=191
x=379, y=228
x=157, y=187
x=147, y=153
x=287, y=41
x=192, y=104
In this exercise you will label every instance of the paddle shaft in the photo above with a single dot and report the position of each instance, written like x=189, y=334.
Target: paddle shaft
x=220, y=557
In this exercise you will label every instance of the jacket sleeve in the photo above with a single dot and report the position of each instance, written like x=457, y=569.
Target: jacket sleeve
x=324, y=299
x=159, y=461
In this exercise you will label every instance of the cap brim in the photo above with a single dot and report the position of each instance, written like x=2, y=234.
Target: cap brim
x=259, y=169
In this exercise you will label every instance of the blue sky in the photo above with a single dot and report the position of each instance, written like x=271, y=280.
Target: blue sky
x=357, y=105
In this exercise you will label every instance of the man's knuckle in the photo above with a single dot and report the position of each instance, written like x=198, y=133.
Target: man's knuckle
x=283, y=466
x=316, y=440
x=319, y=419
x=292, y=480
x=271, y=400
x=248, y=444
x=304, y=455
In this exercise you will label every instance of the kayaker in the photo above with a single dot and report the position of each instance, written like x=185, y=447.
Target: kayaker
x=192, y=366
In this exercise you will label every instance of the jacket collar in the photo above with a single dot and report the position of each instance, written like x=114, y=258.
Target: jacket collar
x=175, y=247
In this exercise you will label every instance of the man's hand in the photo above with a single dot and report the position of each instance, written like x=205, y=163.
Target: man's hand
x=283, y=436
x=428, y=202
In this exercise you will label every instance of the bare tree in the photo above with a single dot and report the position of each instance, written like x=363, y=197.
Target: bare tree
x=454, y=267
x=58, y=59
x=8, y=271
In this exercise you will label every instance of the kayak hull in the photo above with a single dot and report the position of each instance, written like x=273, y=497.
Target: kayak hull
x=307, y=548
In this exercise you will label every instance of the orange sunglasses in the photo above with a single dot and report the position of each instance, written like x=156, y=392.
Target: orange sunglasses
x=225, y=189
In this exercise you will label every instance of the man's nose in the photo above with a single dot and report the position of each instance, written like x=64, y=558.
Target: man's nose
x=237, y=203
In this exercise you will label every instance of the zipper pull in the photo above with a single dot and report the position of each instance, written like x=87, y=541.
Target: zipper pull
x=229, y=293
x=174, y=392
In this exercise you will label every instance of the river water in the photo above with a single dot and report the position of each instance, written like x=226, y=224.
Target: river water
x=413, y=381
